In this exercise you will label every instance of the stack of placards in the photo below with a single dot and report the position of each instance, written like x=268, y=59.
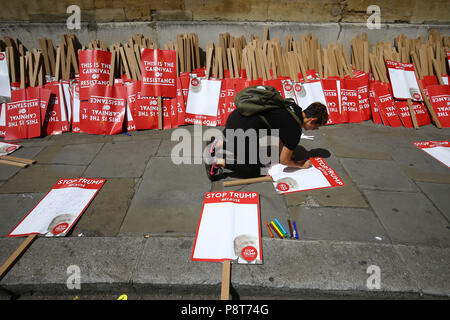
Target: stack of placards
x=229, y=228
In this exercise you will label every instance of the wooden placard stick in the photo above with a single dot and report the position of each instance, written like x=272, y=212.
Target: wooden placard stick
x=113, y=66
x=63, y=62
x=209, y=57
x=220, y=62
x=16, y=255
x=226, y=278
x=366, y=56
x=240, y=182
x=43, y=44
x=235, y=62
x=57, y=63
x=413, y=115
x=131, y=62
x=230, y=63
x=125, y=62
x=438, y=71
x=37, y=66
x=374, y=68
x=22, y=160
x=12, y=63
x=326, y=68
x=13, y=163
x=181, y=52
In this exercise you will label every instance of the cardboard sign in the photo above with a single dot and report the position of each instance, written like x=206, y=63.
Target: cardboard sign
x=440, y=150
x=320, y=175
x=23, y=115
x=308, y=93
x=159, y=73
x=5, y=87
x=404, y=81
x=2, y=119
x=55, y=121
x=221, y=110
x=143, y=109
x=350, y=101
x=58, y=211
x=95, y=69
x=203, y=101
x=385, y=104
x=440, y=101
x=421, y=112
x=75, y=96
x=181, y=103
x=7, y=148
x=44, y=100
x=376, y=118
x=229, y=228
x=332, y=93
x=363, y=95
x=104, y=112
x=129, y=123
x=403, y=112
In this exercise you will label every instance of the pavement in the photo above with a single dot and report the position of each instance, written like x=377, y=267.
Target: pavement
x=391, y=219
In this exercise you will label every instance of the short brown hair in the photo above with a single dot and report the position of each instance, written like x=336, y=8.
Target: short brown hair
x=319, y=111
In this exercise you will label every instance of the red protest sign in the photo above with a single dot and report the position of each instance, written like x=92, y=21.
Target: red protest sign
x=104, y=112
x=385, y=105
x=350, y=101
x=144, y=109
x=376, y=118
x=331, y=92
x=159, y=73
x=181, y=105
x=363, y=95
x=95, y=68
x=440, y=101
x=23, y=115
x=44, y=99
x=55, y=121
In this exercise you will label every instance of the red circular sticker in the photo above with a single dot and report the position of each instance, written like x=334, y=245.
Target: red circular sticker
x=288, y=87
x=60, y=228
x=283, y=186
x=11, y=148
x=416, y=95
x=298, y=88
x=2, y=56
x=195, y=82
x=249, y=253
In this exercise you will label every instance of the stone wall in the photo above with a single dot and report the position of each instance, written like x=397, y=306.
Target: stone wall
x=352, y=11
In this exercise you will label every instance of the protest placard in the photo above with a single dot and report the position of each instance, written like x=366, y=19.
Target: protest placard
x=440, y=150
x=59, y=210
x=318, y=176
x=229, y=228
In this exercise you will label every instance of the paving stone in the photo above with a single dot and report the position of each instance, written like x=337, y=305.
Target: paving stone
x=341, y=224
x=40, y=178
x=325, y=265
x=29, y=152
x=378, y=174
x=98, y=271
x=420, y=166
x=122, y=159
x=76, y=154
x=169, y=199
x=439, y=195
x=106, y=212
x=79, y=138
x=430, y=268
x=410, y=218
x=14, y=208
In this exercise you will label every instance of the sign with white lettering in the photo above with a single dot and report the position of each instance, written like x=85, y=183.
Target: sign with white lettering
x=159, y=73
x=318, y=176
x=229, y=228
x=58, y=211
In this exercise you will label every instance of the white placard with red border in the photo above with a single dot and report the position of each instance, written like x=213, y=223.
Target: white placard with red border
x=318, y=176
x=58, y=211
x=203, y=101
x=7, y=148
x=309, y=92
x=229, y=228
x=5, y=86
x=403, y=80
x=440, y=150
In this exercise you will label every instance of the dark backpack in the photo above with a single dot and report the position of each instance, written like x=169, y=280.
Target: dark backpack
x=256, y=100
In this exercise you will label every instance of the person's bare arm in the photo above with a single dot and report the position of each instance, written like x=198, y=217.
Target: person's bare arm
x=287, y=159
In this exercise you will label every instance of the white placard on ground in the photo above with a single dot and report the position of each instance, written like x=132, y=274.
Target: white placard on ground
x=320, y=175
x=58, y=211
x=440, y=150
x=229, y=228
x=7, y=148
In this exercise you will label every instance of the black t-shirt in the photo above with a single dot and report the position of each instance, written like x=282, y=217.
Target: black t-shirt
x=289, y=130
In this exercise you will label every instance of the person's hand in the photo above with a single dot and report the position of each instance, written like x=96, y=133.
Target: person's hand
x=304, y=164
